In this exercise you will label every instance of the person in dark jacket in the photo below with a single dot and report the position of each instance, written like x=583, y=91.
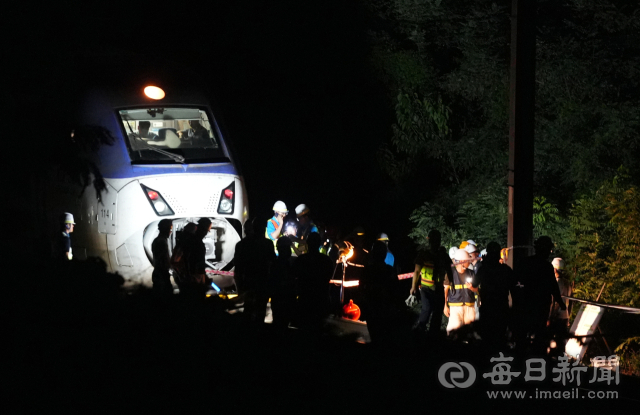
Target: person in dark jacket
x=62, y=248
x=283, y=285
x=382, y=300
x=539, y=291
x=313, y=272
x=178, y=260
x=254, y=256
x=496, y=281
x=161, y=276
x=195, y=255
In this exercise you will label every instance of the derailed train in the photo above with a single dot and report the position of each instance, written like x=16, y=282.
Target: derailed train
x=169, y=161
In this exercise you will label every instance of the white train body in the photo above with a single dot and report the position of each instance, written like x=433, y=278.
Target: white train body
x=189, y=177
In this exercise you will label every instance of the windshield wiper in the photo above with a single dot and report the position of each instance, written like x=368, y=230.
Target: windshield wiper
x=175, y=157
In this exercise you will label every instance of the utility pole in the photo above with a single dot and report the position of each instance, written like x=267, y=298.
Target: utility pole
x=521, y=127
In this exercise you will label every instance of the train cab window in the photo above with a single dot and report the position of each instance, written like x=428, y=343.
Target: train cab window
x=170, y=135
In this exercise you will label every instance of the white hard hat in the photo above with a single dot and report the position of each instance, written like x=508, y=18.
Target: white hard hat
x=470, y=248
x=470, y=241
x=452, y=251
x=483, y=252
x=302, y=209
x=279, y=206
x=68, y=218
x=461, y=255
x=383, y=237
x=558, y=263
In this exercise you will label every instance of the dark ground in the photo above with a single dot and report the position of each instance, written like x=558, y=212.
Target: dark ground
x=76, y=344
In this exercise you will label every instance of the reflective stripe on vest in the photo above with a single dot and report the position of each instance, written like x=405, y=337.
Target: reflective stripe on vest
x=426, y=275
x=461, y=304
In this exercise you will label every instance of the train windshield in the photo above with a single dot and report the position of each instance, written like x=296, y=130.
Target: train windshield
x=171, y=135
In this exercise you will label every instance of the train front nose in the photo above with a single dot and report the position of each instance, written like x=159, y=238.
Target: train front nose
x=219, y=246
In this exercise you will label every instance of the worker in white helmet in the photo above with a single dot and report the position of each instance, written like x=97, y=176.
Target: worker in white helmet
x=472, y=249
x=474, y=266
x=459, y=293
x=559, y=319
x=390, y=259
x=63, y=243
x=276, y=223
x=304, y=229
x=305, y=223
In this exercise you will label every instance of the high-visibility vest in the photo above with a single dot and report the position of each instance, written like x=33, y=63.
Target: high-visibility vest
x=460, y=295
x=426, y=275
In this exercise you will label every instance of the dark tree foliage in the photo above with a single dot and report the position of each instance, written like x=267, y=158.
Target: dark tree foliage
x=446, y=65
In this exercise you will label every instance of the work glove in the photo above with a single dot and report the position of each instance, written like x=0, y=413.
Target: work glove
x=411, y=301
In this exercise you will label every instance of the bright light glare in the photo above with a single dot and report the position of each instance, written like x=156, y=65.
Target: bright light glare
x=160, y=207
x=154, y=92
x=225, y=205
x=347, y=284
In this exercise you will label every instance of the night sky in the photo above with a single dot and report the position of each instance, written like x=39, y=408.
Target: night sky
x=292, y=82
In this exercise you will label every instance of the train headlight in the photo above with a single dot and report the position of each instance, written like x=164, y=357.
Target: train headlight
x=227, y=199
x=160, y=207
x=157, y=202
x=225, y=205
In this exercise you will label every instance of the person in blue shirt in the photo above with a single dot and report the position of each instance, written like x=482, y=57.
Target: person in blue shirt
x=389, y=259
x=276, y=223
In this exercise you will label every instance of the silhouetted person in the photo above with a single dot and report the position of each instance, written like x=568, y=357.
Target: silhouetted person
x=254, y=256
x=381, y=295
x=195, y=132
x=355, y=268
x=144, y=133
x=161, y=276
x=432, y=267
x=178, y=261
x=62, y=245
x=496, y=281
x=283, y=285
x=539, y=291
x=559, y=319
x=195, y=255
x=313, y=272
